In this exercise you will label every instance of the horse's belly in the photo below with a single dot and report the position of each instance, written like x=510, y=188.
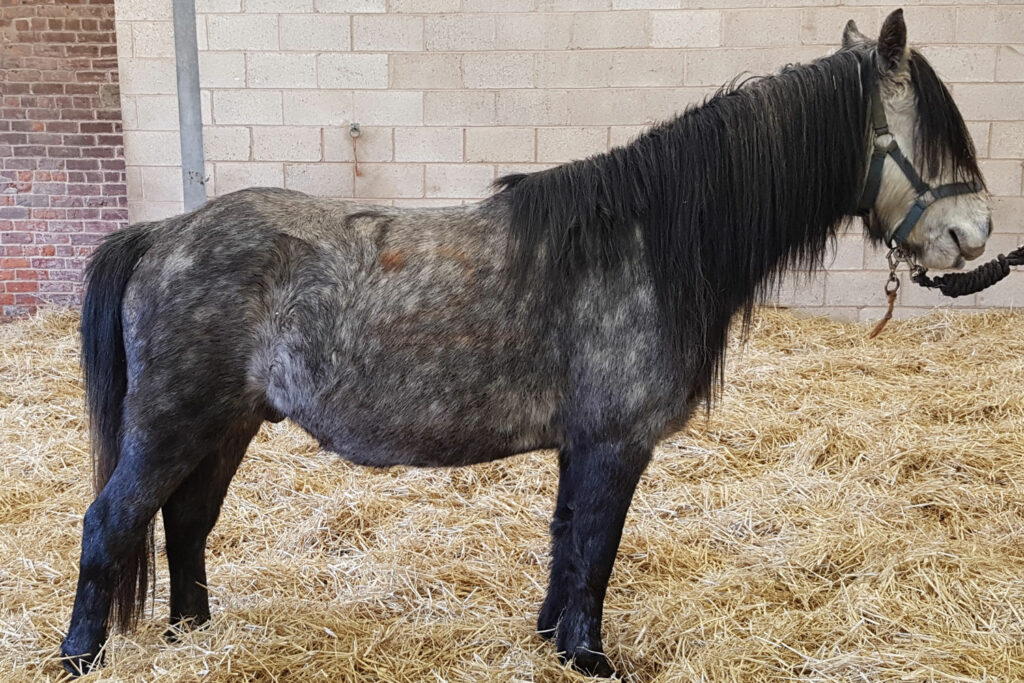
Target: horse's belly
x=413, y=451
x=427, y=411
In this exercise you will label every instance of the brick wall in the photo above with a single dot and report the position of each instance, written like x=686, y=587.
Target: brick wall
x=451, y=93
x=62, y=181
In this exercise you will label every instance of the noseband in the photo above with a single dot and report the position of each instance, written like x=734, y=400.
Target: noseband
x=885, y=145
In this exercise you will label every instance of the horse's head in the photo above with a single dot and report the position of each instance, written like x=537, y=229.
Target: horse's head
x=924, y=190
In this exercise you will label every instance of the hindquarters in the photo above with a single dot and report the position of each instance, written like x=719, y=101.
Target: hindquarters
x=167, y=329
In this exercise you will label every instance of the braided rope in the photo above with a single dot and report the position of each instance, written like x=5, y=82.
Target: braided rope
x=982, y=277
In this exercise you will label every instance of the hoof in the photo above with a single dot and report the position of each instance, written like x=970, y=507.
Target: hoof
x=78, y=665
x=547, y=622
x=180, y=627
x=590, y=664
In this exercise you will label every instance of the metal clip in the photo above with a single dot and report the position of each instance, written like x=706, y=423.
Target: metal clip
x=895, y=257
x=892, y=285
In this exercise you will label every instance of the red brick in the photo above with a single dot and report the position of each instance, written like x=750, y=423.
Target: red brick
x=51, y=164
x=30, y=275
x=79, y=140
x=45, y=139
x=56, y=287
x=62, y=151
x=21, y=162
x=66, y=201
x=81, y=114
x=30, y=300
x=99, y=127
x=98, y=152
x=16, y=238
x=47, y=88
x=66, y=226
x=58, y=37
x=21, y=286
x=56, y=127
x=61, y=126
x=85, y=238
x=81, y=88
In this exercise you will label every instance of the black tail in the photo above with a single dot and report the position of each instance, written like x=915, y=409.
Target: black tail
x=106, y=381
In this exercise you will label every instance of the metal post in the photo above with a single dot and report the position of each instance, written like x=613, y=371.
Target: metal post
x=190, y=118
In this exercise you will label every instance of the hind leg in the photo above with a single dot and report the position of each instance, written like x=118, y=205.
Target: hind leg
x=114, y=538
x=188, y=517
x=159, y=449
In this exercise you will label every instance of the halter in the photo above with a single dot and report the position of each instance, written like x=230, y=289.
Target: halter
x=885, y=145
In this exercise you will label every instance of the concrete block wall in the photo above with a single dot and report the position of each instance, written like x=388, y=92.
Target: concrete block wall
x=452, y=93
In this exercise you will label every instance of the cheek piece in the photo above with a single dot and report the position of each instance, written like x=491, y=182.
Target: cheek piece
x=885, y=145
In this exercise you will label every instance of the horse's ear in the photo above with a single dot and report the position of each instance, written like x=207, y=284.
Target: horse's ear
x=852, y=35
x=892, y=44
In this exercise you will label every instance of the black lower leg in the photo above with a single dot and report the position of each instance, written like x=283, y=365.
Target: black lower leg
x=603, y=477
x=188, y=516
x=561, y=523
x=114, y=529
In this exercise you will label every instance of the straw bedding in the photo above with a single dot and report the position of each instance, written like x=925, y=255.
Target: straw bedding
x=851, y=511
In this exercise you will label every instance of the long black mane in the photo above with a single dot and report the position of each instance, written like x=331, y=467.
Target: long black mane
x=720, y=200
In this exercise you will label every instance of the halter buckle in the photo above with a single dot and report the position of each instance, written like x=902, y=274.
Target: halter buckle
x=885, y=142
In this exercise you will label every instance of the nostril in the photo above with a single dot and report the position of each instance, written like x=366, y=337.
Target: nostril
x=988, y=224
x=956, y=239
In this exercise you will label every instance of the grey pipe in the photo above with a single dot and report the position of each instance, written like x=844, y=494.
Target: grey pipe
x=190, y=117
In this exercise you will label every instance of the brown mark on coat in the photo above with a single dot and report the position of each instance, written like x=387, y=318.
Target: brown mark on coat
x=392, y=260
x=456, y=254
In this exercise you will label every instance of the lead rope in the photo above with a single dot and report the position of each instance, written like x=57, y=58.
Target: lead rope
x=950, y=284
x=982, y=277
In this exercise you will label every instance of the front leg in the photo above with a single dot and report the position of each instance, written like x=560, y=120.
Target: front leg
x=561, y=524
x=598, y=479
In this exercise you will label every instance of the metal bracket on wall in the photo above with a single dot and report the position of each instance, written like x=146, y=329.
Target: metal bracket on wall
x=354, y=132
